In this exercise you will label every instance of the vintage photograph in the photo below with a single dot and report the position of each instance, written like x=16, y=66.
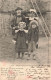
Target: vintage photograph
x=25, y=32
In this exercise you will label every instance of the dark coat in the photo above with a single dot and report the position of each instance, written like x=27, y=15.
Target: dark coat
x=21, y=45
x=33, y=34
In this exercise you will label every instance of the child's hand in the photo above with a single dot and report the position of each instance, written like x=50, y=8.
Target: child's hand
x=27, y=42
x=26, y=31
x=14, y=41
x=16, y=31
x=13, y=27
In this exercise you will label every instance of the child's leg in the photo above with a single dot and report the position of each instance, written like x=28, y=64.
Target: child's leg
x=29, y=50
x=34, y=49
x=22, y=55
x=34, y=46
x=18, y=54
x=31, y=46
x=37, y=45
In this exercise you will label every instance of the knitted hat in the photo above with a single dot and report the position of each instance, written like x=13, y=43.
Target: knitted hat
x=33, y=22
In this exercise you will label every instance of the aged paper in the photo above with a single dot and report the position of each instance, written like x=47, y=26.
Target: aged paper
x=25, y=40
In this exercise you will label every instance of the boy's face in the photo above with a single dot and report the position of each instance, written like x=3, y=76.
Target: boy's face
x=32, y=14
x=34, y=26
x=18, y=12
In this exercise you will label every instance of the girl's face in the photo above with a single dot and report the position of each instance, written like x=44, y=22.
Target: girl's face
x=34, y=26
x=21, y=26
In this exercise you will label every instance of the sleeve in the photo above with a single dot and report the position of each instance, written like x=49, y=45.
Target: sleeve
x=36, y=34
x=37, y=31
x=16, y=36
x=29, y=34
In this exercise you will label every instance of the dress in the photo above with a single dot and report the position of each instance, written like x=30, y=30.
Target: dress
x=21, y=45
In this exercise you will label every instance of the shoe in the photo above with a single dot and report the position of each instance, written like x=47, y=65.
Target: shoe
x=18, y=57
x=36, y=46
x=31, y=50
x=34, y=58
x=22, y=57
x=28, y=58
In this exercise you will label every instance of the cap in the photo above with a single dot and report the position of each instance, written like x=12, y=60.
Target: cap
x=33, y=10
x=18, y=8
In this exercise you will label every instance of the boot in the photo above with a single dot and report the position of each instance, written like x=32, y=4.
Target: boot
x=37, y=45
x=18, y=55
x=22, y=55
x=33, y=57
x=28, y=57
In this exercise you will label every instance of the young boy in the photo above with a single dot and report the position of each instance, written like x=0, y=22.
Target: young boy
x=21, y=45
x=32, y=37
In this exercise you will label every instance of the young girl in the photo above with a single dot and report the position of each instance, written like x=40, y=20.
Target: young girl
x=21, y=45
x=32, y=37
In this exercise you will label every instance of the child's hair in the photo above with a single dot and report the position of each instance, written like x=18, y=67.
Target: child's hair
x=24, y=24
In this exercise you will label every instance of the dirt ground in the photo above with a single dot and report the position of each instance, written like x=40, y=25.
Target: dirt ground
x=42, y=57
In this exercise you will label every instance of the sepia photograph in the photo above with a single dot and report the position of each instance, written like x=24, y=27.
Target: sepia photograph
x=25, y=32
x=25, y=39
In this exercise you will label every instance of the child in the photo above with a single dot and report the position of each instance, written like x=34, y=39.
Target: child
x=32, y=37
x=21, y=45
